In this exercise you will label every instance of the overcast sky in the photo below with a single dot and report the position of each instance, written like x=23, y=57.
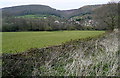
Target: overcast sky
x=57, y=4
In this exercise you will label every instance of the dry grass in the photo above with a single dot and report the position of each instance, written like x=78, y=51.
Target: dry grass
x=89, y=57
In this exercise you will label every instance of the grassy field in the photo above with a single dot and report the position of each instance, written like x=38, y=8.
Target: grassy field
x=13, y=42
x=36, y=16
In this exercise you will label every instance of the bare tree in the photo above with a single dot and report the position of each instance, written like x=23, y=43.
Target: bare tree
x=107, y=15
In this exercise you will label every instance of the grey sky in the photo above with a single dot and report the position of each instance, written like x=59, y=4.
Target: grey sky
x=57, y=4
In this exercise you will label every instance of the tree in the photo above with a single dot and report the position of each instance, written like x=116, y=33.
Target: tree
x=107, y=15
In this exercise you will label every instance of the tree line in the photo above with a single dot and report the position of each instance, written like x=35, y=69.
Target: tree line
x=37, y=24
x=106, y=18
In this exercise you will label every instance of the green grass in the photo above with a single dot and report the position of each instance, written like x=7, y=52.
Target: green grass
x=13, y=42
x=35, y=16
x=31, y=16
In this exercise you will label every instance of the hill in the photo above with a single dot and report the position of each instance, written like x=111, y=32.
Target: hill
x=45, y=18
x=88, y=9
x=43, y=9
x=29, y=10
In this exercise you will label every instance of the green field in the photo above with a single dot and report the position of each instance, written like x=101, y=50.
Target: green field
x=36, y=16
x=13, y=42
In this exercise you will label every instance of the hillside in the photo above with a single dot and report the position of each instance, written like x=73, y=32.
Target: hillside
x=88, y=9
x=45, y=18
x=89, y=57
x=29, y=10
x=42, y=9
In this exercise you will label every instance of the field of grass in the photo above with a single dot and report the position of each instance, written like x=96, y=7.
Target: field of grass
x=36, y=16
x=13, y=42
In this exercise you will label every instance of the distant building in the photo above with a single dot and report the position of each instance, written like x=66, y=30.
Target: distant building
x=56, y=21
x=77, y=22
x=45, y=17
x=62, y=22
x=89, y=23
x=70, y=19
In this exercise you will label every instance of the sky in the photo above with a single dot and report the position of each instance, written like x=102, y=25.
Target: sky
x=57, y=4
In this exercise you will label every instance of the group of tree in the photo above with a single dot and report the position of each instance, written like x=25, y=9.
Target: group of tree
x=34, y=24
x=40, y=24
x=106, y=17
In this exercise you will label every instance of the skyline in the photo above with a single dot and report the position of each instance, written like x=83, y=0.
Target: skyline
x=57, y=4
